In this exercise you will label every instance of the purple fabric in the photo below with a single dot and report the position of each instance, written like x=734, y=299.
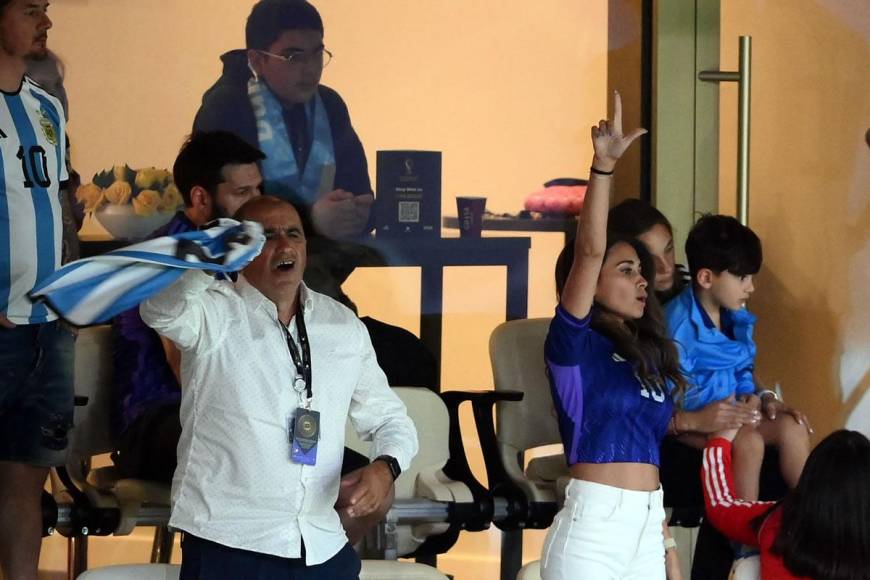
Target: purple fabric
x=606, y=413
x=143, y=378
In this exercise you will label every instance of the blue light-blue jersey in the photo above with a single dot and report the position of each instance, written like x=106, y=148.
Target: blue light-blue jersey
x=717, y=363
x=607, y=414
x=32, y=146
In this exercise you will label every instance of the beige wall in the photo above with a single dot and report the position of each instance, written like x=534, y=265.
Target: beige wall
x=507, y=90
x=810, y=200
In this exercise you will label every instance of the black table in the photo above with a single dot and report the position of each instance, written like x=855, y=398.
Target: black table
x=431, y=255
x=567, y=224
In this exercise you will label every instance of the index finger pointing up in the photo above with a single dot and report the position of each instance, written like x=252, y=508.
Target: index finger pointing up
x=617, y=113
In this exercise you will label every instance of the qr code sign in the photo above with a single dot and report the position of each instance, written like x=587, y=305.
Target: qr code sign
x=409, y=211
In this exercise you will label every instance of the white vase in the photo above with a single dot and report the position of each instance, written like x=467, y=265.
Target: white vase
x=123, y=223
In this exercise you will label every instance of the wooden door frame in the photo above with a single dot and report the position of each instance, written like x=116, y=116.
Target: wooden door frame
x=685, y=120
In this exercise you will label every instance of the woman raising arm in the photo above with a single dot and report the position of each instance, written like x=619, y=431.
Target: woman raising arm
x=611, y=372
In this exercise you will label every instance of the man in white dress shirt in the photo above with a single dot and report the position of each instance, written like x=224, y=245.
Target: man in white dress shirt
x=270, y=372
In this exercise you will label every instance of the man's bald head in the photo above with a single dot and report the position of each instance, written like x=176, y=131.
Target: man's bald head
x=260, y=204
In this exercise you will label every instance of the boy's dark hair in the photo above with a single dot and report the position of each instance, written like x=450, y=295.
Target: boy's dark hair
x=825, y=529
x=269, y=19
x=721, y=243
x=204, y=155
x=634, y=217
x=643, y=341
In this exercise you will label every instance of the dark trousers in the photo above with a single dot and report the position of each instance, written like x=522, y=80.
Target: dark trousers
x=205, y=560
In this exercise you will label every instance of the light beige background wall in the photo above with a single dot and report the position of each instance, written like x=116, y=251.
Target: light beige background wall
x=507, y=90
x=810, y=200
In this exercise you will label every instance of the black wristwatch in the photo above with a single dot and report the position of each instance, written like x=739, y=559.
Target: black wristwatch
x=392, y=463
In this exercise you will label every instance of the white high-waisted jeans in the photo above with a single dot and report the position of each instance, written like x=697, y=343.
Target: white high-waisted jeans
x=606, y=533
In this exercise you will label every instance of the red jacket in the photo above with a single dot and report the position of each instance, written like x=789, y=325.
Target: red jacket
x=733, y=517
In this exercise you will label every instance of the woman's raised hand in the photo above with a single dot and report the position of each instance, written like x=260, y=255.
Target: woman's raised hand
x=608, y=141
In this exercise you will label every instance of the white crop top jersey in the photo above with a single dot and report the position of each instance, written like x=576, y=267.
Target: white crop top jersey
x=32, y=169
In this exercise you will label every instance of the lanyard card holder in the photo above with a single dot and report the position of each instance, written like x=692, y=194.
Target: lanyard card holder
x=304, y=433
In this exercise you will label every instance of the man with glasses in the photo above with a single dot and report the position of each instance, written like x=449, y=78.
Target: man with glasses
x=270, y=95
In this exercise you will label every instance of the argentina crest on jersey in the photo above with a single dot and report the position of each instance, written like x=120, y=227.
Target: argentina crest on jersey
x=49, y=131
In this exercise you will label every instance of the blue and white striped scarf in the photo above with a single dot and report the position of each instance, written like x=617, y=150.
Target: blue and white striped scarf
x=93, y=290
x=282, y=176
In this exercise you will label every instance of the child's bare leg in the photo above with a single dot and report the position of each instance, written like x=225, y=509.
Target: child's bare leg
x=793, y=442
x=748, y=452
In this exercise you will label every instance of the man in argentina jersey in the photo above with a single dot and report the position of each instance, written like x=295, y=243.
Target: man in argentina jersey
x=36, y=352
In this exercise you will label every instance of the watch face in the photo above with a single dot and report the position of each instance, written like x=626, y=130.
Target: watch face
x=393, y=464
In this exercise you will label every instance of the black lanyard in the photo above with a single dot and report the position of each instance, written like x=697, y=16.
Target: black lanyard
x=302, y=363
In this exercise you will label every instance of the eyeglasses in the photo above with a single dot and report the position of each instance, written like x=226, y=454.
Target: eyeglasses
x=320, y=56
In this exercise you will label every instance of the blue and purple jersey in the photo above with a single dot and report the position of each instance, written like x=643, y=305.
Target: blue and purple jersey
x=143, y=378
x=607, y=414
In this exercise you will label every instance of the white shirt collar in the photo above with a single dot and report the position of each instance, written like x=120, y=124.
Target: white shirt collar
x=256, y=299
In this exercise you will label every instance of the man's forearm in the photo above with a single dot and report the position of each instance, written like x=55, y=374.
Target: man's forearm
x=176, y=312
x=70, y=249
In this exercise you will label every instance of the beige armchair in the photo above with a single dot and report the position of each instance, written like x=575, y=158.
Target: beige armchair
x=425, y=478
x=535, y=491
x=102, y=502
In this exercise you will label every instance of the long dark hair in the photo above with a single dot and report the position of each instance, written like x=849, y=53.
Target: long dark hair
x=635, y=217
x=825, y=533
x=642, y=341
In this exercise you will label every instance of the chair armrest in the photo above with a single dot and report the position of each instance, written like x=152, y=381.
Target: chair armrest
x=457, y=467
x=501, y=484
x=476, y=513
x=92, y=512
x=49, y=514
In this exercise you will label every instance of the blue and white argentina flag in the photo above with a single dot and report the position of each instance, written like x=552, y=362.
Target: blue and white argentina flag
x=93, y=290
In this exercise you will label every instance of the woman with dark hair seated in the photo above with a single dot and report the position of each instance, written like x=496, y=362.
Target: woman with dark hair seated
x=637, y=219
x=680, y=456
x=820, y=530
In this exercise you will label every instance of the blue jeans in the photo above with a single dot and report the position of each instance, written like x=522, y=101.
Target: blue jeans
x=206, y=560
x=36, y=393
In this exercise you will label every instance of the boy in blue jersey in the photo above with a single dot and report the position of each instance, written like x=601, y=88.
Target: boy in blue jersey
x=36, y=352
x=713, y=331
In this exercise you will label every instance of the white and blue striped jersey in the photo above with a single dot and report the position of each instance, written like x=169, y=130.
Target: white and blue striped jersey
x=32, y=167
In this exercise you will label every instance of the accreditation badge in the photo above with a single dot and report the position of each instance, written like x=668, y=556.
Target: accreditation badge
x=304, y=434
